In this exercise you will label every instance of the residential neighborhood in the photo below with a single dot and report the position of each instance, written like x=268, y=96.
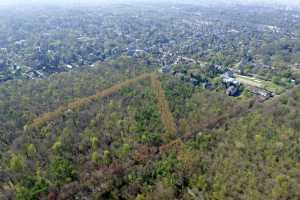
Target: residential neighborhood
x=229, y=82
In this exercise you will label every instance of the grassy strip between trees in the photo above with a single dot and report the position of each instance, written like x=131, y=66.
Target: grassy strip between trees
x=83, y=102
x=166, y=115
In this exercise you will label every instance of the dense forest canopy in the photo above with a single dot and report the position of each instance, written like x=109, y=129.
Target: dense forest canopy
x=150, y=101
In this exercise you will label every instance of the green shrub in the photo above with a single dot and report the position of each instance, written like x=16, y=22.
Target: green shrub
x=61, y=171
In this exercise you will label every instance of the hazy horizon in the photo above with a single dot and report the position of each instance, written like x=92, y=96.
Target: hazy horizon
x=59, y=2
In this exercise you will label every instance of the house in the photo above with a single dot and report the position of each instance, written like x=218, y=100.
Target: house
x=227, y=75
x=69, y=66
x=231, y=83
x=220, y=69
x=229, y=79
x=194, y=81
x=232, y=91
x=20, y=43
x=208, y=85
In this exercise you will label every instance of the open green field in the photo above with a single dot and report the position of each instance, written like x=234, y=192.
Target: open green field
x=252, y=81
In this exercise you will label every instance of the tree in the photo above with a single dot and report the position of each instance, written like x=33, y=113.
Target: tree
x=56, y=147
x=107, y=157
x=17, y=162
x=94, y=142
x=61, y=171
x=31, y=150
x=95, y=157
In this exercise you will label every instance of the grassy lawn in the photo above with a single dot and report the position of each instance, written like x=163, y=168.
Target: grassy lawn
x=268, y=85
x=249, y=81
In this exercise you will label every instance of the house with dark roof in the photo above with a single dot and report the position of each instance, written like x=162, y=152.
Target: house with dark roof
x=194, y=82
x=232, y=91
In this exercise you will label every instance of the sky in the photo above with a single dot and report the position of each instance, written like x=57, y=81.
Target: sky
x=20, y=2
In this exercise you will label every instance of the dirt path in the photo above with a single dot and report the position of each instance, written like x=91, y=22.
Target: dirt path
x=166, y=115
x=83, y=102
